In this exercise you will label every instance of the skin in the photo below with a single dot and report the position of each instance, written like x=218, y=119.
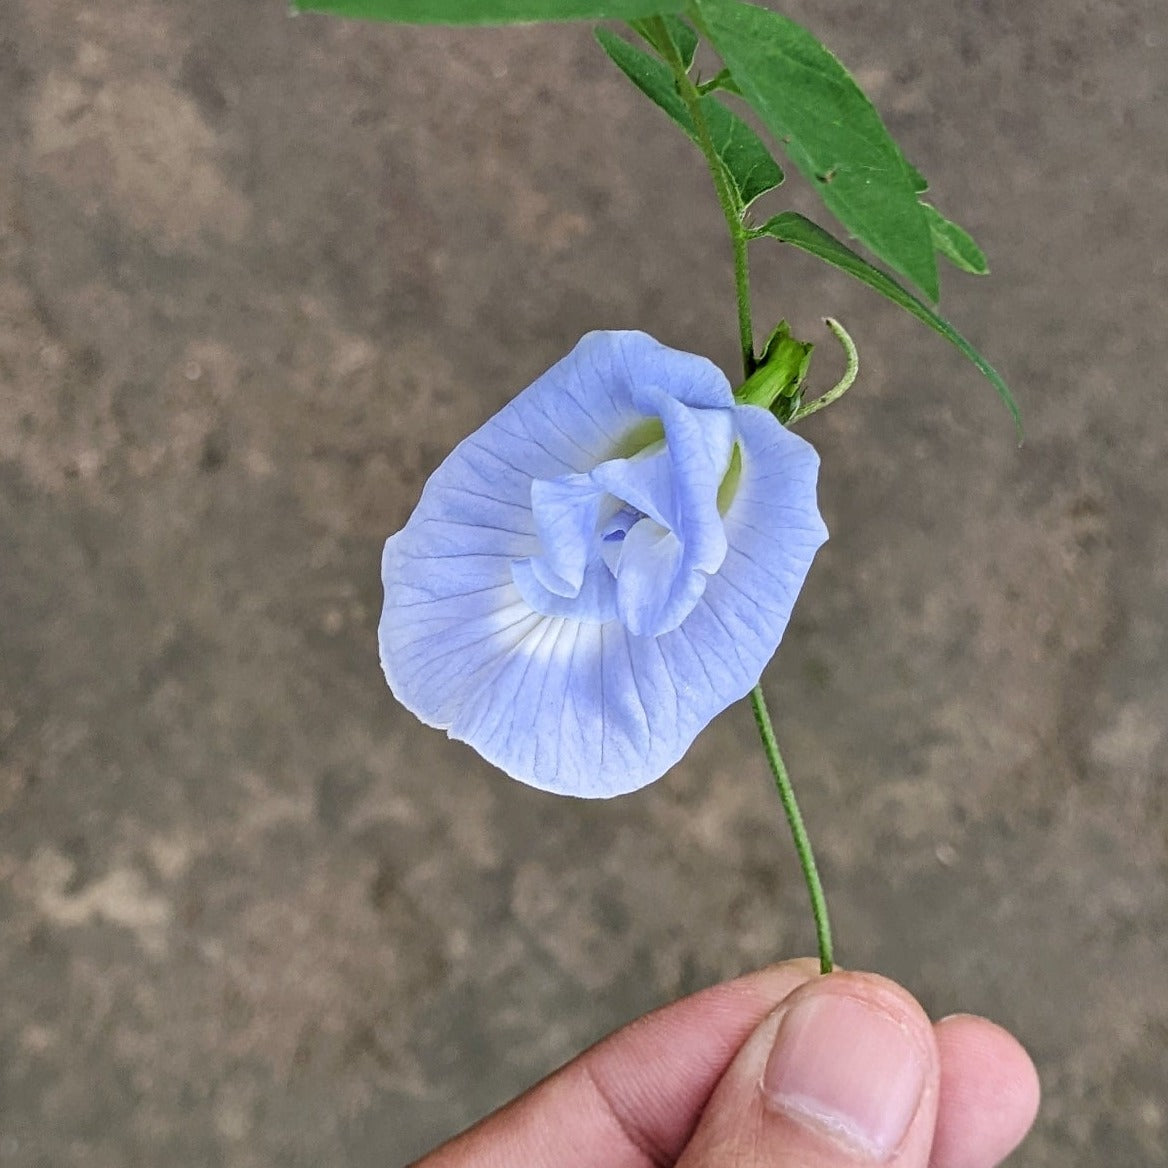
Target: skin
x=681, y=1088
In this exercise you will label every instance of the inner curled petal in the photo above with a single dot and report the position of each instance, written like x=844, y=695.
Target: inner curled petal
x=612, y=535
x=650, y=579
x=635, y=538
x=566, y=511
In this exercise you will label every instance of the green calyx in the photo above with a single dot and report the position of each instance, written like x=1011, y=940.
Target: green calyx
x=777, y=382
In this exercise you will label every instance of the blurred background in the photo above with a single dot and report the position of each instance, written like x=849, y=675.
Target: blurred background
x=257, y=275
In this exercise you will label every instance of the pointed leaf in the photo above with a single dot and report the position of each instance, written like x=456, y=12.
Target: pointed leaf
x=955, y=243
x=685, y=40
x=829, y=129
x=489, y=11
x=652, y=77
x=747, y=162
x=791, y=227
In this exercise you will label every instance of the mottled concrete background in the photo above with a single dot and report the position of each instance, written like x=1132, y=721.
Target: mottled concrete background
x=257, y=274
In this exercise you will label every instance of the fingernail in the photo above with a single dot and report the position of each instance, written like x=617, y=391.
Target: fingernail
x=845, y=1066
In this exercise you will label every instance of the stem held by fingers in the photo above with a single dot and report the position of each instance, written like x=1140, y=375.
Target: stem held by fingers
x=798, y=829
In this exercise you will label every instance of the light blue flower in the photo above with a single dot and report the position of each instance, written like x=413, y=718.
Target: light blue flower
x=601, y=568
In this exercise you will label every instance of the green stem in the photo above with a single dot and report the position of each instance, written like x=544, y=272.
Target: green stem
x=742, y=295
x=658, y=35
x=727, y=198
x=798, y=830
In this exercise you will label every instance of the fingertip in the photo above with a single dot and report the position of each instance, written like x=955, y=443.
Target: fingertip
x=787, y=975
x=855, y=1056
x=889, y=996
x=989, y=1095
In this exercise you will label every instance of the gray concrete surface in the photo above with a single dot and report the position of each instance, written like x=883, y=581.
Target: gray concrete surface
x=257, y=274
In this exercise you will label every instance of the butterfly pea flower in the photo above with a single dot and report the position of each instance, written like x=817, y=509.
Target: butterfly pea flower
x=601, y=568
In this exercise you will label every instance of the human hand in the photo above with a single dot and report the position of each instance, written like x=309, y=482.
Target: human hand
x=778, y=1069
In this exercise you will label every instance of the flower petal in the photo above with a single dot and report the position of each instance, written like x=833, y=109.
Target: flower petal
x=566, y=511
x=651, y=581
x=578, y=703
x=773, y=530
x=594, y=602
x=645, y=483
x=581, y=409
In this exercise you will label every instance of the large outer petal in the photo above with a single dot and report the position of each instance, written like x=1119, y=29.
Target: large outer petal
x=649, y=697
x=586, y=709
x=773, y=530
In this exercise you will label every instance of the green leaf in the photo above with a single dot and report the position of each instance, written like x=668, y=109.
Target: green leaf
x=489, y=11
x=652, y=77
x=955, y=243
x=685, y=40
x=920, y=184
x=830, y=130
x=747, y=162
x=791, y=227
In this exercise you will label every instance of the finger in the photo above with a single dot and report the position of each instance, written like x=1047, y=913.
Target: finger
x=989, y=1094
x=844, y=1074
x=633, y=1100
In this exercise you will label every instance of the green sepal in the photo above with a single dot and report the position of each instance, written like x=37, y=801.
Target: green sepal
x=777, y=381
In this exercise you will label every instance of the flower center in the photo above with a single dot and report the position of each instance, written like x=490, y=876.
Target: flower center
x=636, y=538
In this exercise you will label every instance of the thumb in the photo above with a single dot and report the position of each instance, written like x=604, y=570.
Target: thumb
x=844, y=1074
